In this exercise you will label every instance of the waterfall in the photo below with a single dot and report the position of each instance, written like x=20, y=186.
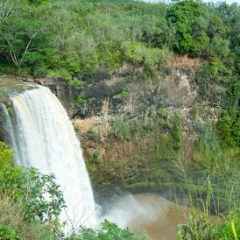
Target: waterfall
x=8, y=128
x=44, y=138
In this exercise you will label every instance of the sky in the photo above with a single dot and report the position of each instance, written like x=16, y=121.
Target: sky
x=227, y=1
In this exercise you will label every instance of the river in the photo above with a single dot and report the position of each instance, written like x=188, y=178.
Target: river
x=151, y=213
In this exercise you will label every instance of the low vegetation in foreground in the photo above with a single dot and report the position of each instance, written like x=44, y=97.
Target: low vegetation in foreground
x=25, y=214
x=73, y=39
x=219, y=213
x=224, y=225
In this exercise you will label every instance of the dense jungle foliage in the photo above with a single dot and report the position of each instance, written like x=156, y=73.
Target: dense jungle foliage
x=72, y=39
x=30, y=204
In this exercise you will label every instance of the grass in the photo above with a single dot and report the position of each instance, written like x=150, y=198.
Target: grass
x=14, y=225
x=202, y=226
x=220, y=210
x=145, y=159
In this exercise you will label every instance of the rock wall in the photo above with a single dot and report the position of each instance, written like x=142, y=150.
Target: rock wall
x=125, y=122
x=135, y=162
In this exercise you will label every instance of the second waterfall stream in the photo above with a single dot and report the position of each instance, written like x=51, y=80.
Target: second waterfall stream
x=45, y=139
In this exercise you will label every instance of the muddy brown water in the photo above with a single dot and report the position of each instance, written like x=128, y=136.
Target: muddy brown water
x=153, y=214
x=166, y=218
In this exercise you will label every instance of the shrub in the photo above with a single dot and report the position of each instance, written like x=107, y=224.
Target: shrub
x=80, y=100
x=14, y=226
x=123, y=94
x=7, y=232
x=106, y=231
x=39, y=194
x=121, y=130
x=176, y=132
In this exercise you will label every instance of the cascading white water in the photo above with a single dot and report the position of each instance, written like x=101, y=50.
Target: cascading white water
x=45, y=139
x=8, y=128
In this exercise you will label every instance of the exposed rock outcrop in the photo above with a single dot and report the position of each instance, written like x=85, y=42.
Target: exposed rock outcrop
x=106, y=100
x=125, y=122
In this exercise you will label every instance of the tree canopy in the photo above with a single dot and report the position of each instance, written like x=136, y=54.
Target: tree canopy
x=72, y=39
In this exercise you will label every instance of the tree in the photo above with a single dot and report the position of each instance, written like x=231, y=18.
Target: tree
x=187, y=17
x=227, y=130
x=17, y=32
x=215, y=27
x=40, y=195
x=17, y=36
x=8, y=8
x=154, y=30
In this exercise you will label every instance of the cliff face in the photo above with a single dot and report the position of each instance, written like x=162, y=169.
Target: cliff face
x=133, y=131
x=137, y=133
x=108, y=96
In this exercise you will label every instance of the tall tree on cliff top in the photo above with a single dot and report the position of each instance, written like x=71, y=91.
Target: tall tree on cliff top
x=17, y=32
x=187, y=16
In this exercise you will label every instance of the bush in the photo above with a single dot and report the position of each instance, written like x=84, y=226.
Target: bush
x=121, y=130
x=106, y=231
x=123, y=93
x=41, y=199
x=7, y=232
x=14, y=226
x=202, y=226
x=228, y=129
x=176, y=132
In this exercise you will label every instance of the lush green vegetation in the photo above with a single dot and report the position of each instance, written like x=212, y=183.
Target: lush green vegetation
x=219, y=215
x=71, y=39
x=106, y=231
x=76, y=38
x=23, y=206
x=151, y=156
x=30, y=204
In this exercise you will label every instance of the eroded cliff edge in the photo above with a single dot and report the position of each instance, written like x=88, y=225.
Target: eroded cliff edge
x=141, y=132
x=137, y=133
